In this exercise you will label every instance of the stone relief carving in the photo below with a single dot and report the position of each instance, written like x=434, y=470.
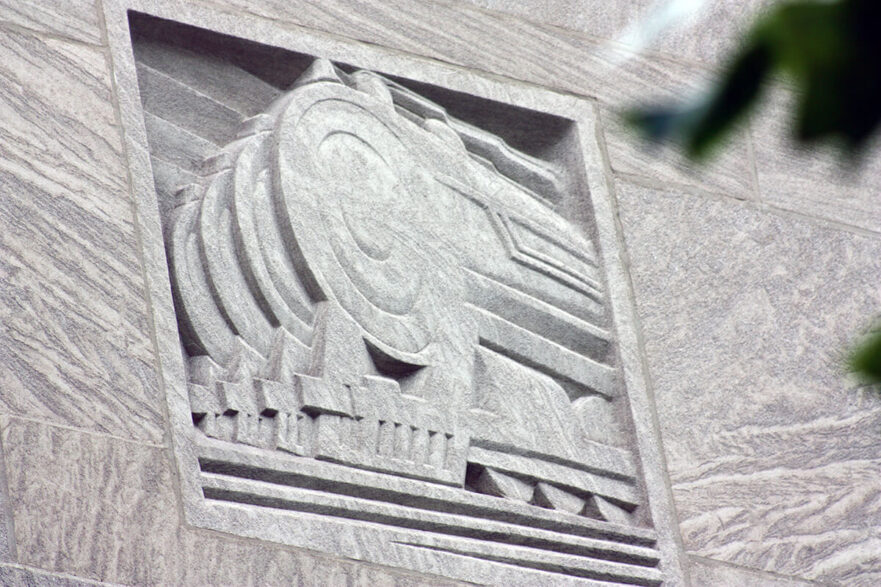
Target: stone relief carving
x=386, y=303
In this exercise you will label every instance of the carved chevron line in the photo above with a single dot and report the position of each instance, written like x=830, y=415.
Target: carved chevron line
x=527, y=172
x=579, y=374
x=589, y=569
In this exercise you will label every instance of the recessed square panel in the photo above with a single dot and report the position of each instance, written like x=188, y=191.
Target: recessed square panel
x=399, y=326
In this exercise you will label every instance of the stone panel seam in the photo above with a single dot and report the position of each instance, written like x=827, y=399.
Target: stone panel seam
x=56, y=575
x=642, y=181
x=211, y=534
x=637, y=327
x=10, y=417
x=750, y=139
x=9, y=551
x=11, y=26
x=649, y=182
x=714, y=562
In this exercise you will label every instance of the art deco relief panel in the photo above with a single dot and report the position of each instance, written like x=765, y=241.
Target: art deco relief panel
x=395, y=317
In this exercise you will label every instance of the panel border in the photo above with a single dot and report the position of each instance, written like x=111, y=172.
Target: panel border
x=245, y=521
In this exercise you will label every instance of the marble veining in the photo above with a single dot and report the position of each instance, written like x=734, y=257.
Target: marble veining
x=784, y=478
x=67, y=248
x=74, y=19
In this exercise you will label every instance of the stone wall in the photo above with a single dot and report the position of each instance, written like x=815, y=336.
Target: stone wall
x=748, y=279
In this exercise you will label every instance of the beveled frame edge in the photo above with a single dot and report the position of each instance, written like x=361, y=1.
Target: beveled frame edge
x=583, y=111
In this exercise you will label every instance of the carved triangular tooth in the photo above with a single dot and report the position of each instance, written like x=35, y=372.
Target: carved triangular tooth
x=338, y=351
x=243, y=364
x=600, y=508
x=279, y=365
x=272, y=367
x=548, y=496
x=274, y=397
x=321, y=70
x=203, y=370
x=498, y=484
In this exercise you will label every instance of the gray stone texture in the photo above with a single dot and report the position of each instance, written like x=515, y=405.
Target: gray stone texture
x=812, y=183
x=713, y=33
x=744, y=307
x=68, y=250
x=709, y=572
x=706, y=37
x=73, y=19
x=745, y=314
x=105, y=509
x=19, y=576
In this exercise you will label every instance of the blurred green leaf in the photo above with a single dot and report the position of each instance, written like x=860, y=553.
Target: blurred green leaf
x=732, y=100
x=866, y=359
x=830, y=51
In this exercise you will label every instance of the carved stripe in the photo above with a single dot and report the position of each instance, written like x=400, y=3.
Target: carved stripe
x=172, y=100
x=539, y=317
x=578, y=550
x=550, y=562
x=249, y=463
x=577, y=373
x=222, y=81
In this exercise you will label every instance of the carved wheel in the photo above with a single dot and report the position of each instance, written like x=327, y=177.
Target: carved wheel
x=360, y=209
